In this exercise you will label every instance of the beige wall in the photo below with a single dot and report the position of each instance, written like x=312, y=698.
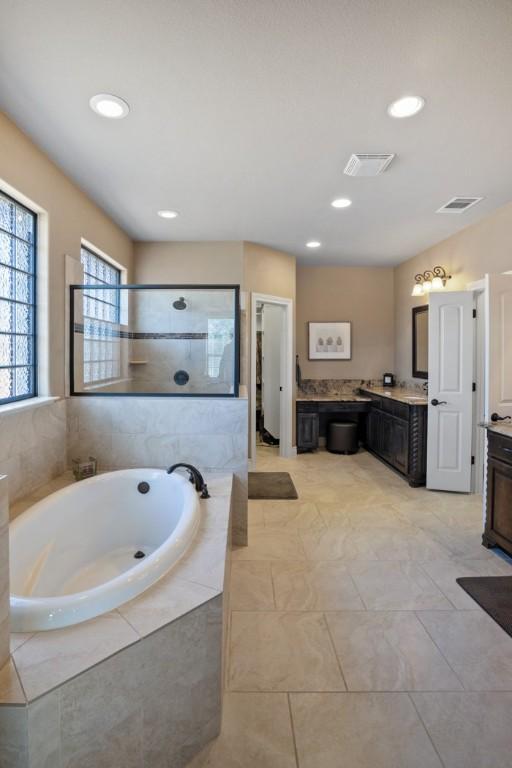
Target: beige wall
x=269, y=271
x=192, y=262
x=71, y=216
x=273, y=273
x=467, y=256
x=363, y=295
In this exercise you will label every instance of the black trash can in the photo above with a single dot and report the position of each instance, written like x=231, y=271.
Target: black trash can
x=342, y=437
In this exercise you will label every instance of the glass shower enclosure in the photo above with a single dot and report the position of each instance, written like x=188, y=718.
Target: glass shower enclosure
x=166, y=340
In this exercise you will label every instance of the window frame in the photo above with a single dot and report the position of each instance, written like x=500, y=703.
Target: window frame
x=161, y=286
x=101, y=284
x=34, y=392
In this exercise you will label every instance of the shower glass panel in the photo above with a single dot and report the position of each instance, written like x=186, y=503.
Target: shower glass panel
x=155, y=340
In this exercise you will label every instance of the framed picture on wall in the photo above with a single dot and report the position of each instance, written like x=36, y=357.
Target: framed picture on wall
x=330, y=341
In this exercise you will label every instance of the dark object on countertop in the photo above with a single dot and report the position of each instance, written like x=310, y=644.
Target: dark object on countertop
x=388, y=380
x=195, y=478
x=181, y=378
x=494, y=595
x=180, y=303
x=342, y=437
x=271, y=485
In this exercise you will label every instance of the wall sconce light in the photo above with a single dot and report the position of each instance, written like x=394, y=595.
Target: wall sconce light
x=431, y=280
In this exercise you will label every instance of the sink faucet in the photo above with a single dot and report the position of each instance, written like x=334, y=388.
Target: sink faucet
x=195, y=478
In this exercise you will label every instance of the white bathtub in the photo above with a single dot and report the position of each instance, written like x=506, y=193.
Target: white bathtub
x=72, y=554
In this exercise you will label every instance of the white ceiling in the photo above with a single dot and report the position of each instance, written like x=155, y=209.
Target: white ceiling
x=244, y=113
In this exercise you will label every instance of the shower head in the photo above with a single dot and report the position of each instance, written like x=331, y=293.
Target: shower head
x=180, y=303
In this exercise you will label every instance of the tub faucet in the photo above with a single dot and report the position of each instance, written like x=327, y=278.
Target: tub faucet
x=195, y=477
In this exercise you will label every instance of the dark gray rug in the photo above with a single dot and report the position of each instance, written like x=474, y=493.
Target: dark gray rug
x=494, y=595
x=271, y=485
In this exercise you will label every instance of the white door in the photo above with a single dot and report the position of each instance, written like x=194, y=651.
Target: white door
x=450, y=391
x=272, y=327
x=499, y=345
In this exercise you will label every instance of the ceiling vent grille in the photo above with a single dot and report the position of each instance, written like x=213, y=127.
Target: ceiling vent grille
x=368, y=164
x=459, y=204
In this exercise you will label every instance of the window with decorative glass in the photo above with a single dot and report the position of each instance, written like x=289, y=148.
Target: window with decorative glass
x=101, y=310
x=18, y=233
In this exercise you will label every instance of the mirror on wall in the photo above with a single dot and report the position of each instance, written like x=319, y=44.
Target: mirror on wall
x=420, y=342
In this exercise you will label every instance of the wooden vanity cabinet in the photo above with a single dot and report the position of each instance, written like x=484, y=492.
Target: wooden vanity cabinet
x=307, y=431
x=498, y=522
x=313, y=417
x=397, y=433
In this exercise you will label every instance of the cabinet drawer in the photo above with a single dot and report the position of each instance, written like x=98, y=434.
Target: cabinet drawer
x=500, y=447
x=400, y=410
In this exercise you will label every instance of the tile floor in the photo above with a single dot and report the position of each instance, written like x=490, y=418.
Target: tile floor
x=351, y=645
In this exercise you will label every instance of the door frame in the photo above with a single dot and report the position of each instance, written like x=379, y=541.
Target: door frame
x=480, y=377
x=286, y=412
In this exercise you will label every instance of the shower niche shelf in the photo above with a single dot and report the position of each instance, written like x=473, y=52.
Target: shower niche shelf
x=130, y=340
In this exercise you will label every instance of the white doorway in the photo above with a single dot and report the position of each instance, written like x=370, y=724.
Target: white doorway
x=493, y=377
x=272, y=381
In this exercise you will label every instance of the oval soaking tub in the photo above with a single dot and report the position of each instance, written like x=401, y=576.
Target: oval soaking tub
x=91, y=546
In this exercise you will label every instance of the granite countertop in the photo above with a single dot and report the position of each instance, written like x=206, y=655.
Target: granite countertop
x=401, y=395
x=332, y=398
x=499, y=428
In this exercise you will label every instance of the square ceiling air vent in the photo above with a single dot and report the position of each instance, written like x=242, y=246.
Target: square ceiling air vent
x=368, y=164
x=459, y=204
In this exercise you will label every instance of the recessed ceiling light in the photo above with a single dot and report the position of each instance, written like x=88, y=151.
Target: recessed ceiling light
x=313, y=244
x=406, y=107
x=107, y=105
x=168, y=214
x=341, y=202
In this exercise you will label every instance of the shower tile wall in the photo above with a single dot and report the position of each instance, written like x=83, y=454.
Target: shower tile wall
x=156, y=432
x=33, y=446
x=162, y=357
x=4, y=572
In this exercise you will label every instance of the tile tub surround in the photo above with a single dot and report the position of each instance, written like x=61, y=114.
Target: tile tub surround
x=125, y=432
x=4, y=574
x=32, y=445
x=138, y=686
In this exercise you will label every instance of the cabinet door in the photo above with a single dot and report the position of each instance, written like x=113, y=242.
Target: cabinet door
x=394, y=441
x=386, y=437
x=400, y=445
x=499, y=501
x=307, y=431
x=374, y=430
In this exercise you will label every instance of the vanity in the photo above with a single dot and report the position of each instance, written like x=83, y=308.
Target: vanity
x=396, y=431
x=392, y=425
x=314, y=412
x=498, y=519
